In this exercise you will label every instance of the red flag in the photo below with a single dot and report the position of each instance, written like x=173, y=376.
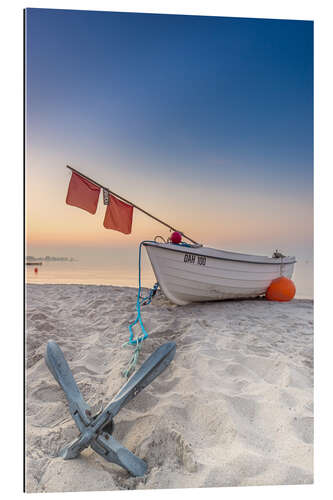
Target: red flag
x=82, y=194
x=118, y=215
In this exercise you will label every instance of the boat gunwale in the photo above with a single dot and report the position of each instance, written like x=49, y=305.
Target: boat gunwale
x=186, y=249
x=209, y=267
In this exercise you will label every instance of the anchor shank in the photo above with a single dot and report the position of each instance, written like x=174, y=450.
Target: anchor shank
x=150, y=369
x=59, y=368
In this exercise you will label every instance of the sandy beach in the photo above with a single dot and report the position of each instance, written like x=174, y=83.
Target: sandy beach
x=235, y=407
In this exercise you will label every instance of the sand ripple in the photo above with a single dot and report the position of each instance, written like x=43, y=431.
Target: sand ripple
x=235, y=407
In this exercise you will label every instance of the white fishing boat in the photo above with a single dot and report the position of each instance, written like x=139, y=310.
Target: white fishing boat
x=192, y=272
x=197, y=273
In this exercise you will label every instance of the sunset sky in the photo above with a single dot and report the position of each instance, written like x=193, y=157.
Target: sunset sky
x=206, y=122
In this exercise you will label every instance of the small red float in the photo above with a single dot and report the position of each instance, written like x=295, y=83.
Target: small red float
x=36, y=269
x=176, y=237
x=281, y=289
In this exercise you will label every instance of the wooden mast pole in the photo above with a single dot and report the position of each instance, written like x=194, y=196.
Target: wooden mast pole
x=130, y=203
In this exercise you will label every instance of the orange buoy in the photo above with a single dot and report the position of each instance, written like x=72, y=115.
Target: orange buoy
x=281, y=289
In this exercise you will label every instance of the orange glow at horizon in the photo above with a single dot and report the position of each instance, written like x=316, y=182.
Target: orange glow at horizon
x=229, y=215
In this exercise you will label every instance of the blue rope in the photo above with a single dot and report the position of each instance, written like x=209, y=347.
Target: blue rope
x=183, y=244
x=140, y=301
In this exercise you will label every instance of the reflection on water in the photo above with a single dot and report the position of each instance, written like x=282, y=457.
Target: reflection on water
x=89, y=274
x=115, y=274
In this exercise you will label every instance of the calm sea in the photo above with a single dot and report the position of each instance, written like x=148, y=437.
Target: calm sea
x=89, y=273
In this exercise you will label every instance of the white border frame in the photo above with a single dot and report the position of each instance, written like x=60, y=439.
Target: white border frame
x=12, y=230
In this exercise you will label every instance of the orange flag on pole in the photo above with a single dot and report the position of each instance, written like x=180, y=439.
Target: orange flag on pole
x=118, y=215
x=82, y=194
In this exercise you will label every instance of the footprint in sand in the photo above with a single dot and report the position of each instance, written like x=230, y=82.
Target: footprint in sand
x=304, y=428
x=83, y=369
x=38, y=317
x=49, y=393
x=164, y=446
x=244, y=408
x=44, y=326
x=166, y=386
x=288, y=399
x=145, y=402
x=184, y=452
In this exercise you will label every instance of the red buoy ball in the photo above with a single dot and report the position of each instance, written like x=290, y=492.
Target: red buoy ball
x=176, y=237
x=36, y=269
x=281, y=289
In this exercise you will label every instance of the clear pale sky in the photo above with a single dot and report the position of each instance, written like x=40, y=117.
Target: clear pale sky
x=206, y=122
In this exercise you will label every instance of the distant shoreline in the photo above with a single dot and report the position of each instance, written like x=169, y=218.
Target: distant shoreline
x=48, y=258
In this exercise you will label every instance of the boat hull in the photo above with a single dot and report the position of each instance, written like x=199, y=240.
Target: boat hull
x=198, y=274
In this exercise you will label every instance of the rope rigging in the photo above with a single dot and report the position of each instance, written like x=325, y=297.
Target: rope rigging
x=140, y=301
